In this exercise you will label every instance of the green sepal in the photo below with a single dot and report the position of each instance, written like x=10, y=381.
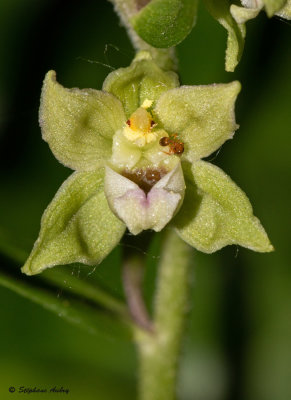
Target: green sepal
x=165, y=23
x=216, y=212
x=79, y=124
x=220, y=10
x=77, y=226
x=202, y=116
x=142, y=80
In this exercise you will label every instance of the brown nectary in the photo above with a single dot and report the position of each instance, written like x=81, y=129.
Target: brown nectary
x=145, y=178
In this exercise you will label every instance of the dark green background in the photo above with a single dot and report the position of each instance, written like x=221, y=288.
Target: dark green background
x=238, y=342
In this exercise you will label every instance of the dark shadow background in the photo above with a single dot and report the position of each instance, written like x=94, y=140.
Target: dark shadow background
x=238, y=343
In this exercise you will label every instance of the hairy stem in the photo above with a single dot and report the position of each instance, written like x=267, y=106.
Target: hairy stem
x=126, y=9
x=159, y=350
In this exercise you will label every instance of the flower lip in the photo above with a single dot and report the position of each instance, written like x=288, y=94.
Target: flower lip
x=139, y=209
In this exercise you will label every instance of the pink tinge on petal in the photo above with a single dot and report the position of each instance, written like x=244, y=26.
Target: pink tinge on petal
x=146, y=200
x=137, y=196
x=132, y=208
x=152, y=211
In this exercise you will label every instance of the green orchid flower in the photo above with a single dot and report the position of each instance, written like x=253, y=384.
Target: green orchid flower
x=136, y=148
x=251, y=8
x=233, y=18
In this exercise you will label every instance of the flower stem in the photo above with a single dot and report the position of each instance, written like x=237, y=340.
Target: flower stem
x=159, y=351
x=126, y=9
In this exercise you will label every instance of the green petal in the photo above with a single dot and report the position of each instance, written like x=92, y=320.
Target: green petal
x=77, y=226
x=79, y=124
x=202, y=116
x=272, y=6
x=216, y=212
x=220, y=10
x=142, y=80
x=165, y=23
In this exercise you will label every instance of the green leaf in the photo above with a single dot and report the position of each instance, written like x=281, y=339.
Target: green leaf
x=202, y=116
x=142, y=80
x=84, y=288
x=220, y=10
x=77, y=226
x=165, y=23
x=70, y=308
x=10, y=248
x=216, y=212
x=79, y=124
x=272, y=6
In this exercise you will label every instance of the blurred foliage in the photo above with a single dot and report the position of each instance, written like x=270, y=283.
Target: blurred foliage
x=238, y=342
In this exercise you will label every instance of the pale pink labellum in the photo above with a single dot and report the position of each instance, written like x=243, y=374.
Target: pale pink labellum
x=140, y=211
